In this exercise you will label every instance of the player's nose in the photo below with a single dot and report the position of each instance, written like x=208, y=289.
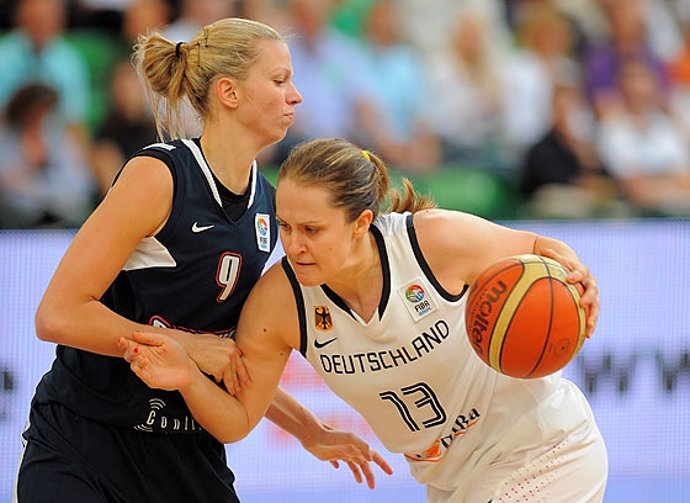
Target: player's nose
x=294, y=246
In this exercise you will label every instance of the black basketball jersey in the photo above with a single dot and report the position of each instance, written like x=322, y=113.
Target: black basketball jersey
x=194, y=275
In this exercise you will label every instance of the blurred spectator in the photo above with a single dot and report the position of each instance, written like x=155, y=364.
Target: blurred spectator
x=330, y=73
x=195, y=14
x=563, y=176
x=465, y=81
x=350, y=16
x=271, y=12
x=111, y=5
x=400, y=128
x=592, y=26
x=682, y=10
x=44, y=181
x=679, y=70
x=545, y=40
x=35, y=51
x=127, y=128
x=588, y=19
x=102, y=15
x=663, y=29
x=427, y=23
x=627, y=39
x=142, y=16
x=645, y=150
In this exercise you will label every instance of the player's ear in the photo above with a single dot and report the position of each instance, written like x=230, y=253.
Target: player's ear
x=363, y=222
x=226, y=89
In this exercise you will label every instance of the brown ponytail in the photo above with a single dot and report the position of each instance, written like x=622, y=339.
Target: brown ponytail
x=357, y=179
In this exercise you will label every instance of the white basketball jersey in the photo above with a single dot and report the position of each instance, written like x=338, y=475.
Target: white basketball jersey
x=411, y=373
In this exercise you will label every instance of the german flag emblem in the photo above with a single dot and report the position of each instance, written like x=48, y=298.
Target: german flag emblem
x=322, y=319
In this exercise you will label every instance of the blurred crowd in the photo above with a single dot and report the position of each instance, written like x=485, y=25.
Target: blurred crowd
x=580, y=108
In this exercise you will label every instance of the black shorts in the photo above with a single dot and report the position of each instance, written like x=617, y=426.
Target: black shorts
x=71, y=458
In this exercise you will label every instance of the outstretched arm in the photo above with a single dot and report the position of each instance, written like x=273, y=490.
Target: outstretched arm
x=323, y=441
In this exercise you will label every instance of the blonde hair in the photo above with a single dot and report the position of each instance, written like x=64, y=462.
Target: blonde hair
x=357, y=179
x=174, y=72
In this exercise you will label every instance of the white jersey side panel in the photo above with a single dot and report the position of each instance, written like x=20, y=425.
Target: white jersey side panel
x=411, y=373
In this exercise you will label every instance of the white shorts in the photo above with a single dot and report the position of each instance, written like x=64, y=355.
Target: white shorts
x=573, y=471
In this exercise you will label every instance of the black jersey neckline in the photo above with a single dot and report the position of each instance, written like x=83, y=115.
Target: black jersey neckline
x=234, y=205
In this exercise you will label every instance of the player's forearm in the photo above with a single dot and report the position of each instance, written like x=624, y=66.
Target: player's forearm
x=88, y=325
x=218, y=412
x=290, y=415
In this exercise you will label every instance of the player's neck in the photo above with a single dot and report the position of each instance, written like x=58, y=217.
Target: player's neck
x=360, y=285
x=231, y=165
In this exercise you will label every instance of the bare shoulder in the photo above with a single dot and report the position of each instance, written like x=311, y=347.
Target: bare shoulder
x=142, y=195
x=136, y=206
x=144, y=177
x=274, y=286
x=446, y=230
x=459, y=245
x=439, y=218
x=271, y=309
x=146, y=167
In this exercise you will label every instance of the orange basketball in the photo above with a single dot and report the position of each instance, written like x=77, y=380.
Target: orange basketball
x=523, y=318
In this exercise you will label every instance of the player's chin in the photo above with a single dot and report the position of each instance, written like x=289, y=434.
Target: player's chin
x=306, y=277
x=308, y=281
x=278, y=134
x=284, y=126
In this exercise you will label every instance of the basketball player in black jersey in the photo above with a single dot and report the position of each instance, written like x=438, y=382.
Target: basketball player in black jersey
x=184, y=233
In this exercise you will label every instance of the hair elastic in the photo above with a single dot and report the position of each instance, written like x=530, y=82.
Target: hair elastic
x=177, y=49
x=366, y=154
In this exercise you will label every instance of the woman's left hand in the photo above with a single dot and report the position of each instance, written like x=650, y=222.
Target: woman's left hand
x=579, y=273
x=157, y=360
x=336, y=445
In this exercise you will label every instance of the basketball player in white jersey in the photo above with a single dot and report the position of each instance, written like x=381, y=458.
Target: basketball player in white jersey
x=376, y=304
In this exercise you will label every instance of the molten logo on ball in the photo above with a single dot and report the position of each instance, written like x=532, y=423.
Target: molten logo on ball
x=480, y=322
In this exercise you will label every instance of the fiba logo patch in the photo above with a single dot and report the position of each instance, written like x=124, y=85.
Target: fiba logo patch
x=322, y=319
x=417, y=300
x=262, y=226
x=414, y=293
